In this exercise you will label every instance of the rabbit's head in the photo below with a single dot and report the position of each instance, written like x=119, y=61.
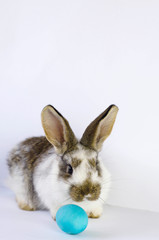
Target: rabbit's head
x=79, y=165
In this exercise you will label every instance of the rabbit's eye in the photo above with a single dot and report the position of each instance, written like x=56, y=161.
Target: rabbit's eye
x=69, y=169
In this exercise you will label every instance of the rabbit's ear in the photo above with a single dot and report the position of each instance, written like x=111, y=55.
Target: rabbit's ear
x=99, y=129
x=57, y=130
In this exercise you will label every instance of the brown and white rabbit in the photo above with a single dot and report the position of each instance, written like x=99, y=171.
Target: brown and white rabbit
x=48, y=172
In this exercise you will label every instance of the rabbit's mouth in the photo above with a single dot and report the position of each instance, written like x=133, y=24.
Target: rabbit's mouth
x=87, y=190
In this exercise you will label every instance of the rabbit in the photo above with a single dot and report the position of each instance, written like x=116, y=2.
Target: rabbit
x=50, y=171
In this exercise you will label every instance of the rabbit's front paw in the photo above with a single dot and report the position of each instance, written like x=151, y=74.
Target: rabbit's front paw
x=54, y=217
x=53, y=212
x=95, y=213
x=24, y=205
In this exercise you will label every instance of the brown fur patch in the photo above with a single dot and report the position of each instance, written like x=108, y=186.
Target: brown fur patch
x=92, y=162
x=98, y=168
x=76, y=162
x=30, y=151
x=96, y=165
x=25, y=206
x=72, y=148
x=91, y=215
x=78, y=192
x=37, y=146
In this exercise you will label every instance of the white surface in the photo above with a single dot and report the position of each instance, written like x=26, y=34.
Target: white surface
x=116, y=224
x=81, y=56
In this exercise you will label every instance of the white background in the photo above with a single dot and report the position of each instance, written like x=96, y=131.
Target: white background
x=82, y=56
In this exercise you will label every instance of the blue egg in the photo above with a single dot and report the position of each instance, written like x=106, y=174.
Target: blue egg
x=72, y=219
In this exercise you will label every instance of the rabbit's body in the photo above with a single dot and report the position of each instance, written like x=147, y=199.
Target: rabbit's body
x=22, y=163
x=48, y=174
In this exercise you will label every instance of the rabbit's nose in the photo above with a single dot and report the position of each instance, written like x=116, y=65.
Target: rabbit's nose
x=88, y=196
x=91, y=191
x=87, y=190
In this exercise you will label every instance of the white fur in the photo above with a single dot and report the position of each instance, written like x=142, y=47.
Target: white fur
x=54, y=192
x=43, y=184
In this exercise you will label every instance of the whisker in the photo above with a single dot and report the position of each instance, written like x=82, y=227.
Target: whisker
x=112, y=181
x=111, y=188
x=66, y=199
x=101, y=199
x=121, y=179
x=117, y=189
x=67, y=182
